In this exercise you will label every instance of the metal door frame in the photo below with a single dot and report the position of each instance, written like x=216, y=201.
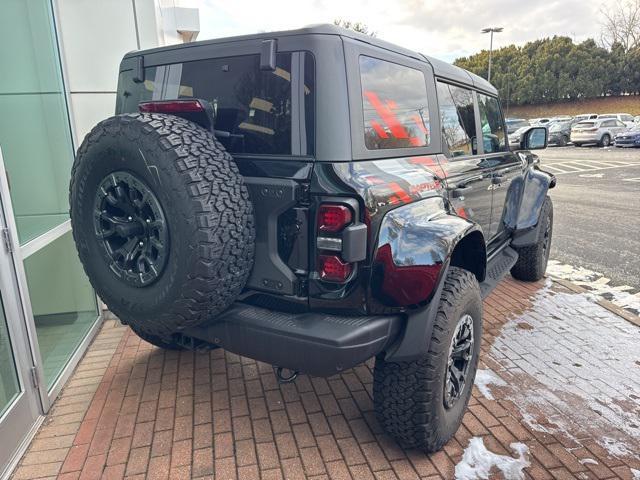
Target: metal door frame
x=20, y=253
x=25, y=413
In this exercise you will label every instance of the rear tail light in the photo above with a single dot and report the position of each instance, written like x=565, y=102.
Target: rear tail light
x=341, y=241
x=333, y=217
x=333, y=269
x=171, y=106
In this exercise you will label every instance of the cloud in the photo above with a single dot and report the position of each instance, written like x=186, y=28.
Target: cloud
x=443, y=29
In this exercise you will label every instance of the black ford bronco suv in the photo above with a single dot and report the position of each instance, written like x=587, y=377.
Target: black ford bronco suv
x=313, y=199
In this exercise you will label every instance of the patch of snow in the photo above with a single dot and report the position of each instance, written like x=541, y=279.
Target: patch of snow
x=477, y=462
x=615, y=447
x=635, y=473
x=589, y=461
x=484, y=378
x=597, y=284
x=571, y=374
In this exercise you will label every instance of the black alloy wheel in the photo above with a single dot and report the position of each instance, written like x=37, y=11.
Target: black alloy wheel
x=131, y=227
x=459, y=361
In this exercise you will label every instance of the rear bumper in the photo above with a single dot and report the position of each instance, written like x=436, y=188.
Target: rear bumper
x=314, y=343
x=586, y=137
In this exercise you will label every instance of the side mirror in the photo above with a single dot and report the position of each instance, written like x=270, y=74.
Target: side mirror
x=535, y=138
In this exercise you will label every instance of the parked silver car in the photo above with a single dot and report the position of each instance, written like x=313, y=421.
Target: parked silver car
x=623, y=117
x=539, y=121
x=601, y=131
x=585, y=116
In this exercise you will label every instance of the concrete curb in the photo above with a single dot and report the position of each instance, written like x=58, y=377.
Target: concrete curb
x=612, y=307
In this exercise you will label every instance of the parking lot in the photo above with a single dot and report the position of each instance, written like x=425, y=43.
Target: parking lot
x=596, y=204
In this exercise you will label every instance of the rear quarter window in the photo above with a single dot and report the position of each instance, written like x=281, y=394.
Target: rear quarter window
x=395, y=105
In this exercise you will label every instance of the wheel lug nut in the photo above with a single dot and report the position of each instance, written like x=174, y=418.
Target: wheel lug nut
x=129, y=218
x=148, y=220
x=141, y=244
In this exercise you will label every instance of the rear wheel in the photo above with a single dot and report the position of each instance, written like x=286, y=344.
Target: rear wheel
x=563, y=141
x=162, y=221
x=421, y=403
x=605, y=141
x=533, y=259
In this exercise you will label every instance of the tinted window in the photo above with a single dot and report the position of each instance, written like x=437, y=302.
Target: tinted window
x=458, y=119
x=493, y=137
x=309, y=101
x=253, y=105
x=395, y=106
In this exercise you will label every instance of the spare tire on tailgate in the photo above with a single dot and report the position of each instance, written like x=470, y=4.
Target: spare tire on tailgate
x=162, y=221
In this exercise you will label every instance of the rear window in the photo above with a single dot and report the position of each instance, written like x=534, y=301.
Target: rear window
x=395, y=105
x=585, y=124
x=253, y=105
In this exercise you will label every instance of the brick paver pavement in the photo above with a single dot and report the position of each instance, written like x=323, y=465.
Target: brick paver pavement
x=559, y=374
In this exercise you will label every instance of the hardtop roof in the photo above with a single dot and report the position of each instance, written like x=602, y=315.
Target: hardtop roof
x=440, y=68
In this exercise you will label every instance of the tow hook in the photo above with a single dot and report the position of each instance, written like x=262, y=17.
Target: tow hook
x=281, y=377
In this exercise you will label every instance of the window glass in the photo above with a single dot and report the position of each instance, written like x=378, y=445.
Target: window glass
x=309, y=101
x=9, y=386
x=253, y=105
x=34, y=125
x=395, y=105
x=63, y=303
x=458, y=119
x=493, y=137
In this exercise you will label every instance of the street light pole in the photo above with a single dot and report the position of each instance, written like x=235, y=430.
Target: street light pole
x=491, y=30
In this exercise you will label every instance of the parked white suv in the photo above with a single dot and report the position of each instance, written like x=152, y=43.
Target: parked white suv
x=601, y=131
x=623, y=117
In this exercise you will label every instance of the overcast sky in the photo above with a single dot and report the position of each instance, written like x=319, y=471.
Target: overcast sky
x=443, y=29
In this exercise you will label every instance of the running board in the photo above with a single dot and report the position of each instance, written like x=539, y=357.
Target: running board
x=497, y=267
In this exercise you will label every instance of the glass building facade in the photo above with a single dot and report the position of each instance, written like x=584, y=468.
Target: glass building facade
x=47, y=306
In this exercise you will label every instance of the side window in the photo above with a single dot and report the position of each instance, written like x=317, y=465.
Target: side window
x=458, y=119
x=493, y=137
x=394, y=105
x=620, y=124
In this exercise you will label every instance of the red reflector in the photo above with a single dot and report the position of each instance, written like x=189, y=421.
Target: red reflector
x=171, y=106
x=333, y=218
x=333, y=269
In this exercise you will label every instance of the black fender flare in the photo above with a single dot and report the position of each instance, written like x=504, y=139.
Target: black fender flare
x=413, y=254
x=536, y=184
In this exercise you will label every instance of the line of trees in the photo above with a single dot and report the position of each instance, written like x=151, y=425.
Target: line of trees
x=557, y=69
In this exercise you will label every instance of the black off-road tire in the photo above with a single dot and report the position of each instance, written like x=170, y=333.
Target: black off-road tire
x=409, y=396
x=208, y=213
x=533, y=259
